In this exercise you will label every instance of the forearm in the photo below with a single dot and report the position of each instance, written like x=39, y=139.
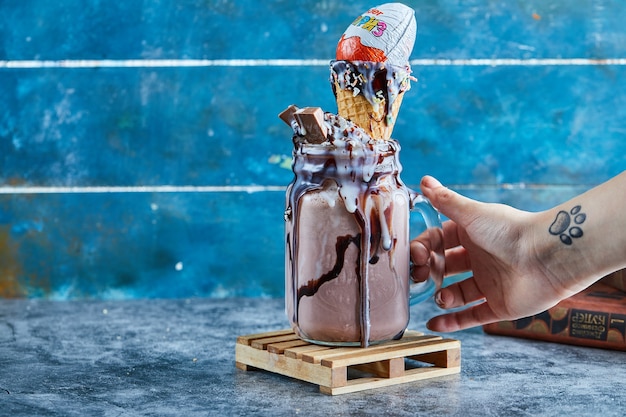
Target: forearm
x=585, y=238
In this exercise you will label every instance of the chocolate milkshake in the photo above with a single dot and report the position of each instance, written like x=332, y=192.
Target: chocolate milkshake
x=347, y=237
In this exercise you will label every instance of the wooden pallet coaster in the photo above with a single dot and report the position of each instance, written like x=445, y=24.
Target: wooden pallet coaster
x=340, y=370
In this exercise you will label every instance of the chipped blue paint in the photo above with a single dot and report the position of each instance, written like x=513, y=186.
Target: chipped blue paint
x=527, y=135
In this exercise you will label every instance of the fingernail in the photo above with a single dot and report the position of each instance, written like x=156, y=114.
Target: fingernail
x=439, y=298
x=429, y=324
x=430, y=182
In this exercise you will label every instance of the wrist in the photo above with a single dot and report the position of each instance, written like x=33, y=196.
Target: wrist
x=560, y=255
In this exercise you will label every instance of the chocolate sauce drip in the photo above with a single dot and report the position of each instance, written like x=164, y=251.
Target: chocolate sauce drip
x=363, y=277
x=375, y=234
x=341, y=246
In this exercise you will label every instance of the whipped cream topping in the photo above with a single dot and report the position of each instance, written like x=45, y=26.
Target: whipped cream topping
x=355, y=154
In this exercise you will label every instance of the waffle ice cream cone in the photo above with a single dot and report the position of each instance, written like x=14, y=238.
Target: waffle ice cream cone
x=371, y=71
x=370, y=94
x=373, y=118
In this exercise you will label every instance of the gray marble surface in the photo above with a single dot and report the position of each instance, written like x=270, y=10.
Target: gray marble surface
x=177, y=357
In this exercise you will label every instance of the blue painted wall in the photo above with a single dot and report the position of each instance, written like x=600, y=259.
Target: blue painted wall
x=87, y=150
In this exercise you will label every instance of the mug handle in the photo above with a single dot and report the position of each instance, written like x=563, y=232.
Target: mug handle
x=420, y=291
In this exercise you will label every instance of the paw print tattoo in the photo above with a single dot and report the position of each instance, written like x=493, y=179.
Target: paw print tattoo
x=561, y=225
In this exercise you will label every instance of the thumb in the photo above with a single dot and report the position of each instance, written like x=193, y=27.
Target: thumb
x=449, y=203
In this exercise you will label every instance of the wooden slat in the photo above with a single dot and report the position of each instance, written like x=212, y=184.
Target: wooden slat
x=281, y=346
x=316, y=357
x=297, y=352
x=264, y=342
x=319, y=355
x=411, y=333
x=396, y=351
x=356, y=352
x=246, y=340
x=362, y=384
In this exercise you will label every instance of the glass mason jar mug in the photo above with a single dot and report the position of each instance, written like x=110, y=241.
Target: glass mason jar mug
x=347, y=257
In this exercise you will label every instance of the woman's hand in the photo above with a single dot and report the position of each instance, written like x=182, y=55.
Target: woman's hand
x=519, y=267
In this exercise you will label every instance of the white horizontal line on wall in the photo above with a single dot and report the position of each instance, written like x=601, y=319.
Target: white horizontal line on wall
x=179, y=63
x=142, y=189
x=244, y=188
x=503, y=62
x=161, y=63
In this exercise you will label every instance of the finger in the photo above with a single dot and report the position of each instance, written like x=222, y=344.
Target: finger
x=427, y=243
x=452, y=205
x=450, y=237
x=471, y=317
x=458, y=294
x=420, y=254
x=431, y=240
x=420, y=273
x=456, y=261
x=450, y=234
